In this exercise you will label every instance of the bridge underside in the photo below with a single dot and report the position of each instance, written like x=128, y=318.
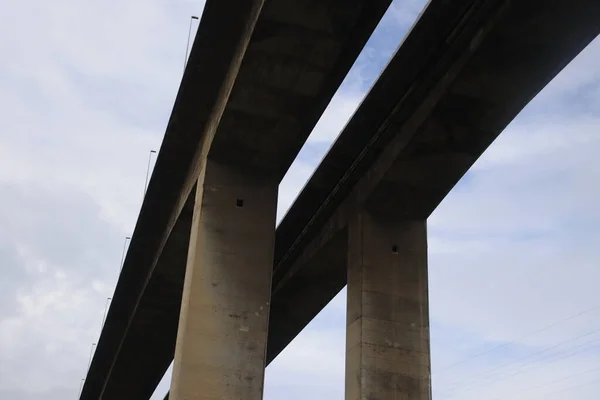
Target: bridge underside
x=464, y=72
x=252, y=100
x=431, y=122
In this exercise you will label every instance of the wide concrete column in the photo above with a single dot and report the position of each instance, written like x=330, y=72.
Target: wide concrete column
x=222, y=336
x=387, y=333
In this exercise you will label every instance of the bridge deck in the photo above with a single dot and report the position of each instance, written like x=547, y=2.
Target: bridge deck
x=461, y=76
x=298, y=53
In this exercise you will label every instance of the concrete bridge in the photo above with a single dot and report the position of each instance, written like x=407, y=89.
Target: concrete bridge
x=211, y=283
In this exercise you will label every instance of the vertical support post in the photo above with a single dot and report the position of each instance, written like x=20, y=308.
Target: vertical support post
x=387, y=333
x=222, y=337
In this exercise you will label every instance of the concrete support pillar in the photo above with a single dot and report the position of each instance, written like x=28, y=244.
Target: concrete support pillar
x=387, y=333
x=221, y=342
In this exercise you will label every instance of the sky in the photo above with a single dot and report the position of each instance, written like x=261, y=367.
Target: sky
x=87, y=90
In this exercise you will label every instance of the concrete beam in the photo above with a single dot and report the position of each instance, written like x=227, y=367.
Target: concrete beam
x=222, y=334
x=319, y=217
x=155, y=320
x=204, y=90
x=464, y=72
x=298, y=55
x=499, y=49
x=387, y=334
x=523, y=51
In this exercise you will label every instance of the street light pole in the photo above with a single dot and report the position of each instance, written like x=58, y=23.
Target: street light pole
x=187, y=48
x=90, y=360
x=123, y=254
x=80, y=387
x=148, y=171
x=108, y=299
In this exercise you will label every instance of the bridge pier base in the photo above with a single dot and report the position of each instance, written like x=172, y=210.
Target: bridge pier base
x=387, y=334
x=222, y=336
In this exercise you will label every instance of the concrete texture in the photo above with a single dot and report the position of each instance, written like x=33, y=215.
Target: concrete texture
x=222, y=336
x=305, y=48
x=387, y=334
x=419, y=130
x=464, y=72
x=145, y=305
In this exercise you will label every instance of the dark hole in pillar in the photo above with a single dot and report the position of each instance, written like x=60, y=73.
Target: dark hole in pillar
x=395, y=249
x=239, y=203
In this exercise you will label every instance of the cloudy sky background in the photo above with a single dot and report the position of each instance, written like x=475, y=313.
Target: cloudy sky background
x=86, y=92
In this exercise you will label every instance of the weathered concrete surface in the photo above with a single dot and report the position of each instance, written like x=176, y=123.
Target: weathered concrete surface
x=387, y=334
x=526, y=45
x=298, y=55
x=308, y=226
x=144, y=302
x=431, y=114
x=489, y=79
x=222, y=336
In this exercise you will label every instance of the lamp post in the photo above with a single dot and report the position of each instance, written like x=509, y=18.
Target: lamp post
x=80, y=387
x=148, y=171
x=91, y=353
x=123, y=254
x=108, y=299
x=188, y=41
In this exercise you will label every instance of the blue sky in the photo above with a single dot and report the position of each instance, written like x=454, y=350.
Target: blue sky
x=87, y=89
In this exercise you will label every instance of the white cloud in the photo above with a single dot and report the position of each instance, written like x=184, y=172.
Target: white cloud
x=513, y=252
x=513, y=259
x=87, y=90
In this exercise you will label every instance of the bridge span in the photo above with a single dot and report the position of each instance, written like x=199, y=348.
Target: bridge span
x=464, y=71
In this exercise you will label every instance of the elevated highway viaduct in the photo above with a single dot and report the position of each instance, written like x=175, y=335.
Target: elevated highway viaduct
x=259, y=76
x=360, y=219
x=463, y=73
